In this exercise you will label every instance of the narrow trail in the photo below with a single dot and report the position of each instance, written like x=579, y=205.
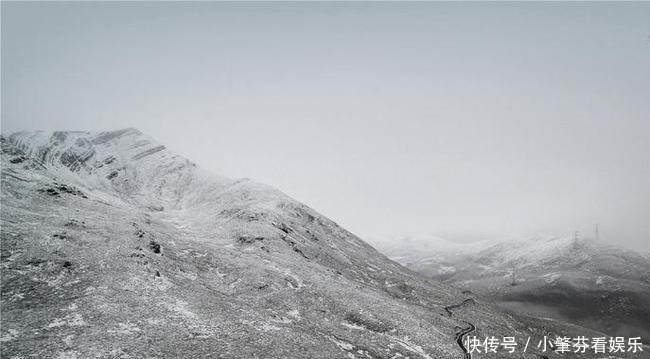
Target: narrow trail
x=454, y=306
x=462, y=332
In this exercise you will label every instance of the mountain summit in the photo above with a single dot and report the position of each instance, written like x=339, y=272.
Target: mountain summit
x=114, y=247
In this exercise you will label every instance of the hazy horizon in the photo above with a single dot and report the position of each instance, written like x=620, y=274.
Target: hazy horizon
x=467, y=121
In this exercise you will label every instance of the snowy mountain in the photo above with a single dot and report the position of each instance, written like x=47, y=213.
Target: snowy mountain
x=583, y=281
x=114, y=247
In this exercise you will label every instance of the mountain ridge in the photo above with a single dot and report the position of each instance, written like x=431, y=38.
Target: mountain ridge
x=115, y=247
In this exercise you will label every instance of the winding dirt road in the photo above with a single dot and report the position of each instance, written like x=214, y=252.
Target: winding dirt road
x=462, y=332
x=454, y=306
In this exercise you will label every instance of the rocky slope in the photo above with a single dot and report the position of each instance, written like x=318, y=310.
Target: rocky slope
x=586, y=282
x=114, y=247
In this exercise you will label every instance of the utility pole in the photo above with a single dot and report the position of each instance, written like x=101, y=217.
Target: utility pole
x=597, y=232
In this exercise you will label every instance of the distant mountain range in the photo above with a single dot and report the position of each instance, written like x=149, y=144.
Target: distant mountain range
x=585, y=282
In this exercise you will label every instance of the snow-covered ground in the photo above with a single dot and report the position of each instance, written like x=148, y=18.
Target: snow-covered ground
x=115, y=247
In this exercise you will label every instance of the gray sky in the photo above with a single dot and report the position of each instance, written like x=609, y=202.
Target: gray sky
x=465, y=120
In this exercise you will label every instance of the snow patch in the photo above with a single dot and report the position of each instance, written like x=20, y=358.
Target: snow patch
x=342, y=344
x=180, y=307
x=353, y=326
x=125, y=328
x=11, y=335
x=405, y=342
x=268, y=327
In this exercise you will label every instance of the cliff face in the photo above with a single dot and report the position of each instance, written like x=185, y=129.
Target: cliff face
x=112, y=246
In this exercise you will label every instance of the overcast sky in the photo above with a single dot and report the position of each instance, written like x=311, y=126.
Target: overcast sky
x=464, y=120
